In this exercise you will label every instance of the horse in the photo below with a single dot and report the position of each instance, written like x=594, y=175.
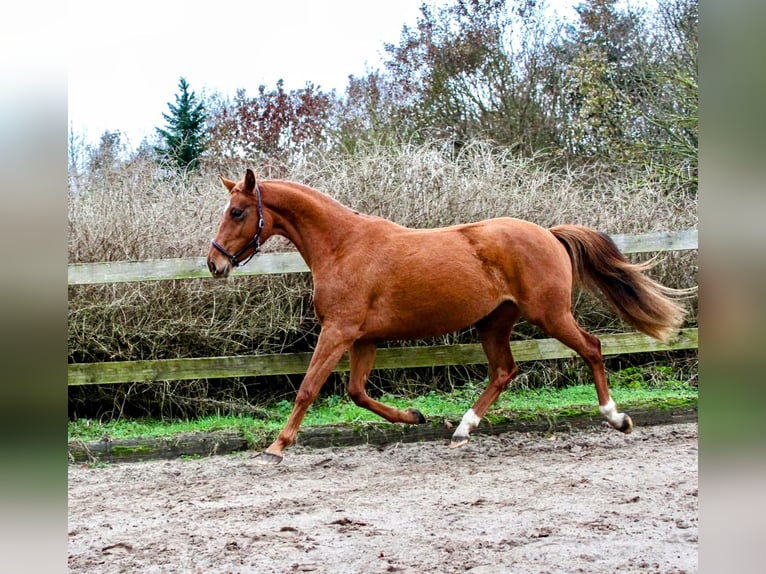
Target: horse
x=375, y=280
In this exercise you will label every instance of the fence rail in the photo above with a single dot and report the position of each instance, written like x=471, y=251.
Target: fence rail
x=294, y=363
x=291, y=262
x=387, y=358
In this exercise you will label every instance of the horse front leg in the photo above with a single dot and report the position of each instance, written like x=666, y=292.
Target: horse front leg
x=329, y=350
x=361, y=358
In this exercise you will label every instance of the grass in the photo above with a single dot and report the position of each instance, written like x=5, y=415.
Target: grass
x=632, y=387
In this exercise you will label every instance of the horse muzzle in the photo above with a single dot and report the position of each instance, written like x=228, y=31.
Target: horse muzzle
x=218, y=266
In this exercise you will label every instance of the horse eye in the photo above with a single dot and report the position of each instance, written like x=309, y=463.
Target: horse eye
x=236, y=212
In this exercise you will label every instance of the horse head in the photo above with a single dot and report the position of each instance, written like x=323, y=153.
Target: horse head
x=241, y=230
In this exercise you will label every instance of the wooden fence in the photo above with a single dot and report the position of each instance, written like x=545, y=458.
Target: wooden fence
x=296, y=363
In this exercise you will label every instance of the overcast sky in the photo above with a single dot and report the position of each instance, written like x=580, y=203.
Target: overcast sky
x=125, y=58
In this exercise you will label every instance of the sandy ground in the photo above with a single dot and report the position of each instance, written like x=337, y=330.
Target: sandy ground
x=591, y=501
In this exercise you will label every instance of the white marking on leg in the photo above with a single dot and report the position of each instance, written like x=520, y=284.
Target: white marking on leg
x=469, y=422
x=609, y=410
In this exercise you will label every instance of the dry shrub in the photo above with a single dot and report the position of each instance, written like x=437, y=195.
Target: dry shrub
x=137, y=213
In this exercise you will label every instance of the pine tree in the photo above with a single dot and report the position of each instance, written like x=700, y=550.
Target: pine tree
x=183, y=139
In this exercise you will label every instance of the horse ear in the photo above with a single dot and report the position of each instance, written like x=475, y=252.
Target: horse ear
x=249, y=181
x=228, y=184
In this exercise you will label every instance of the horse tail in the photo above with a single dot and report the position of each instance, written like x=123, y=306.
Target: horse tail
x=598, y=265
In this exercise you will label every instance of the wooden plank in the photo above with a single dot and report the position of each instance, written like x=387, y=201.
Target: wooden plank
x=390, y=358
x=658, y=241
x=291, y=262
x=167, y=269
x=381, y=434
x=139, y=449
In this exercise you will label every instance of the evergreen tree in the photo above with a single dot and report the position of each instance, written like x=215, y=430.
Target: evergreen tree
x=183, y=139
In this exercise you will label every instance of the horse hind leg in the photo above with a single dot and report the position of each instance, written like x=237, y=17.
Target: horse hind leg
x=494, y=333
x=565, y=329
x=361, y=359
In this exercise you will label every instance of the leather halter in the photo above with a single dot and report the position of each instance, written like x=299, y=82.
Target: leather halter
x=254, y=242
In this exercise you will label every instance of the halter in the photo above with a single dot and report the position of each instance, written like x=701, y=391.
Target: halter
x=255, y=241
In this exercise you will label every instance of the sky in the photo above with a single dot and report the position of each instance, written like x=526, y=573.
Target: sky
x=125, y=58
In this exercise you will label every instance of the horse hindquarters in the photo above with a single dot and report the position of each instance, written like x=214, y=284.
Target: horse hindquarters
x=543, y=289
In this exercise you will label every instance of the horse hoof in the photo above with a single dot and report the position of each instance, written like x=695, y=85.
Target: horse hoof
x=458, y=441
x=268, y=459
x=418, y=416
x=626, y=427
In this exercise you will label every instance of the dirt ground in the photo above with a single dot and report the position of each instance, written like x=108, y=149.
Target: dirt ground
x=591, y=501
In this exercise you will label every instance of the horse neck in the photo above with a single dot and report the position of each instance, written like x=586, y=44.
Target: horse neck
x=313, y=221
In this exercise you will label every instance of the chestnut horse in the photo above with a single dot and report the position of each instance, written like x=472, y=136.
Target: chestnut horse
x=375, y=280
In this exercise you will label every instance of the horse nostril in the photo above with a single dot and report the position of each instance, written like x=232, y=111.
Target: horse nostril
x=211, y=266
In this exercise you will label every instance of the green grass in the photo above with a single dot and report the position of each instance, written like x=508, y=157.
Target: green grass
x=632, y=387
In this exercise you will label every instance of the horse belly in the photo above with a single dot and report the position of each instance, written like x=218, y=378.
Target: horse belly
x=418, y=309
